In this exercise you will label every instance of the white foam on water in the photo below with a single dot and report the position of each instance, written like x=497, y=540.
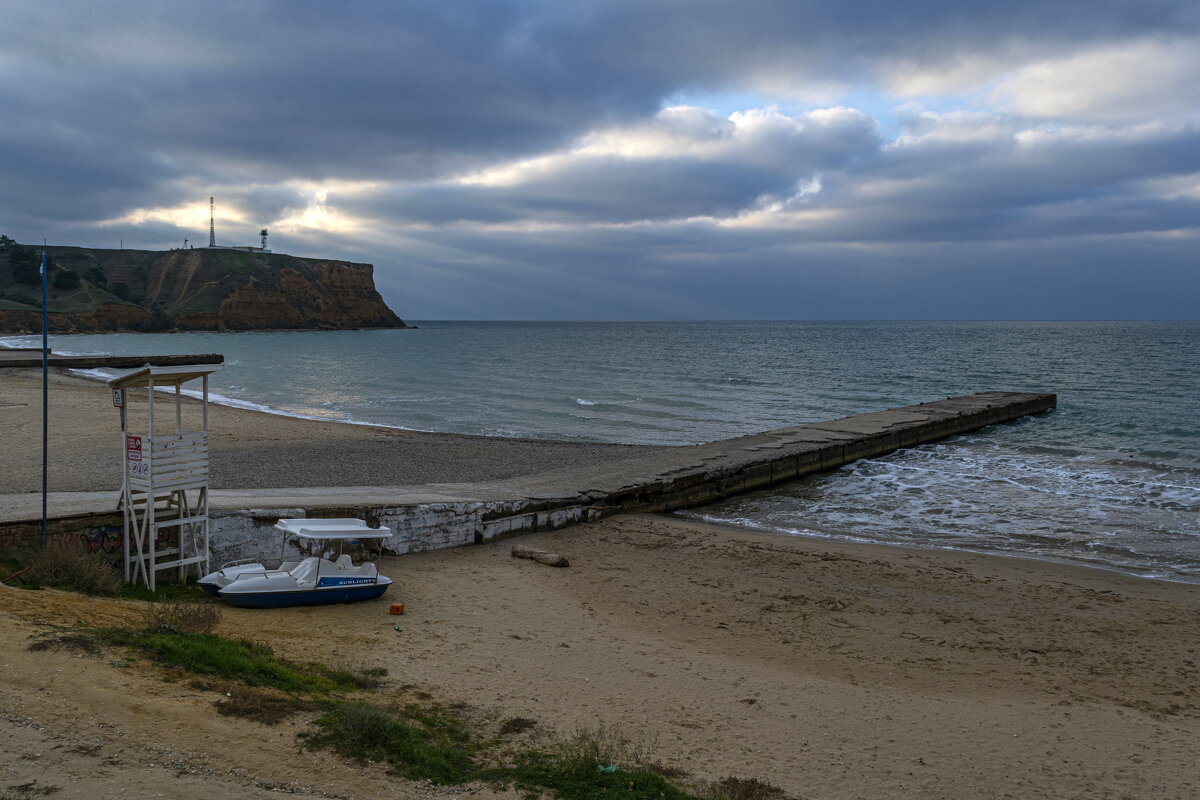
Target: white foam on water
x=960, y=496
x=234, y=402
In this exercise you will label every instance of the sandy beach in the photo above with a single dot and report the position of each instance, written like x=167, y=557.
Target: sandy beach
x=255, y=450
x=833, y=670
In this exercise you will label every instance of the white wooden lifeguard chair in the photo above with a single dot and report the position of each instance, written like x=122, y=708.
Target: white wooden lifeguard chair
x=165, y=483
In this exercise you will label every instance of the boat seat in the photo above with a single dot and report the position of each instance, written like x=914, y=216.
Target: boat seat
x=344, y=562
x=306, y=571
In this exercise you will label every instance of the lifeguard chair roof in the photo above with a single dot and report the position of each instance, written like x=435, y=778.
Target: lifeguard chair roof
x=163, y=376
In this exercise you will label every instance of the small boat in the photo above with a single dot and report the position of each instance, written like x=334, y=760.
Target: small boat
x=312, y=581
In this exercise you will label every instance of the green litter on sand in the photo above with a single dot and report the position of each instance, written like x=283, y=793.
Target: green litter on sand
x=398, y=629
x=611, y=768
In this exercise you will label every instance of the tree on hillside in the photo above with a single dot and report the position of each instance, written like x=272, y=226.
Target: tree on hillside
x=26, y=264
x=5, y=241
x=121, y=289
x=65, y=279
x=97, y=276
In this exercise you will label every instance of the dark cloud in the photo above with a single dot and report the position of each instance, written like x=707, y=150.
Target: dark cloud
x=513, y=158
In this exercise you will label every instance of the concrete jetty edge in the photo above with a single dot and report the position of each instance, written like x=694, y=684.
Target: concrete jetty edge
x=451, y=515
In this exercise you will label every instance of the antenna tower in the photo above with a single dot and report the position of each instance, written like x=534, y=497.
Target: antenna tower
x=212, y=225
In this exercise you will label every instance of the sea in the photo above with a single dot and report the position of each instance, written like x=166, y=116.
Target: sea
x=1111, y=479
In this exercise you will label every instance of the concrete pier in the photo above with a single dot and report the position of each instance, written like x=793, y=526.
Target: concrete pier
x=450, y=515
x=26, y=357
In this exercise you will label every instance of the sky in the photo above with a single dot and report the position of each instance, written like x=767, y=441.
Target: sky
x=632, y=159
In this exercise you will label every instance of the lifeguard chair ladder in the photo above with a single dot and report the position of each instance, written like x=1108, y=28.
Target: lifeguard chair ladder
x=165, y=484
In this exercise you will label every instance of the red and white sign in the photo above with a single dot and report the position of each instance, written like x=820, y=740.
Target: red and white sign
x=133, y=448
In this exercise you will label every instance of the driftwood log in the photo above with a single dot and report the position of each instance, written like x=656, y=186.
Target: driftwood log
x=540, y=556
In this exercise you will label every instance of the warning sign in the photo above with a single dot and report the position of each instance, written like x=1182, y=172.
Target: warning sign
x=118, y=398
x=133, y=448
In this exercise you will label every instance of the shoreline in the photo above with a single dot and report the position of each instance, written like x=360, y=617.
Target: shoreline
x=253, y=449
x=834, y=539
x=250, y=405
x=304, y=451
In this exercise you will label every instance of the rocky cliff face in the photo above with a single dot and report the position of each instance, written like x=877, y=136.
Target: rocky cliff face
x=200, y=289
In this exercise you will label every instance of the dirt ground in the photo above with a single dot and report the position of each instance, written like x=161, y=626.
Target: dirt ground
x=832, y=670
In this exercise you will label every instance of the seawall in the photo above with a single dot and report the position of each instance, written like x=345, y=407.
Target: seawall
x=452, y=515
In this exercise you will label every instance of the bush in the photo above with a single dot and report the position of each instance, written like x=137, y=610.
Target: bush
x=22, y=298
x=97, y=276
x=586, y=750
x=65, y=279
x=732, y=788
x=70, y=566
x=26, y=273
x=257, y=705
x=184, y=617
x=418, y=744
x=515, y=725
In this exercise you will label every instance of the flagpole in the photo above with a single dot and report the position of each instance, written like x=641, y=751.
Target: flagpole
x=45, y=403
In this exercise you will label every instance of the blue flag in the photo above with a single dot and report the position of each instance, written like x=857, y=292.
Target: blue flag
x=42, y=269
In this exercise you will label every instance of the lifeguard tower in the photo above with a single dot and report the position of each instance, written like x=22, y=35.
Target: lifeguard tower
x=164, y=492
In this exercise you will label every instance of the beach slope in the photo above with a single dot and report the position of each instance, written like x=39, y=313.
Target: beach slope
x=834, y=670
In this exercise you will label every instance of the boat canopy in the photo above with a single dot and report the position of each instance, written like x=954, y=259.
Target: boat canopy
x=332, y=529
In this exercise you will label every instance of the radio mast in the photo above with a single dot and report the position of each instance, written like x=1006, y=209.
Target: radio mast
x=212, y=225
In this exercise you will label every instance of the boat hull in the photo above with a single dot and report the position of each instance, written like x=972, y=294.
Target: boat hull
x=306, y=597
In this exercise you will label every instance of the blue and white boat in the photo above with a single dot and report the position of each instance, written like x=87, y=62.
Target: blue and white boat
x=312, y=581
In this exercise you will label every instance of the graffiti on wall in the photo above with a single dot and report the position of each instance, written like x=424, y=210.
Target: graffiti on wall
x=101, y=538
x=11, y=537
x=21, y=538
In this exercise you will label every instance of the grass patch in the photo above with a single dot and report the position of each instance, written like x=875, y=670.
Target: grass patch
x=434, y=744
x=27, y=791
x=732, y=788
x=415, y=743
x=184, y=617
x=355, y=672
x=515, y=725
x=166, y=591
x=266, y=707
x=74, y=641
x=538, y=772
x=71, y=567
x=233, y=659
x=591, y=764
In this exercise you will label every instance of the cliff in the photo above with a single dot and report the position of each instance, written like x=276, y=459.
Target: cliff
x=186, y=290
